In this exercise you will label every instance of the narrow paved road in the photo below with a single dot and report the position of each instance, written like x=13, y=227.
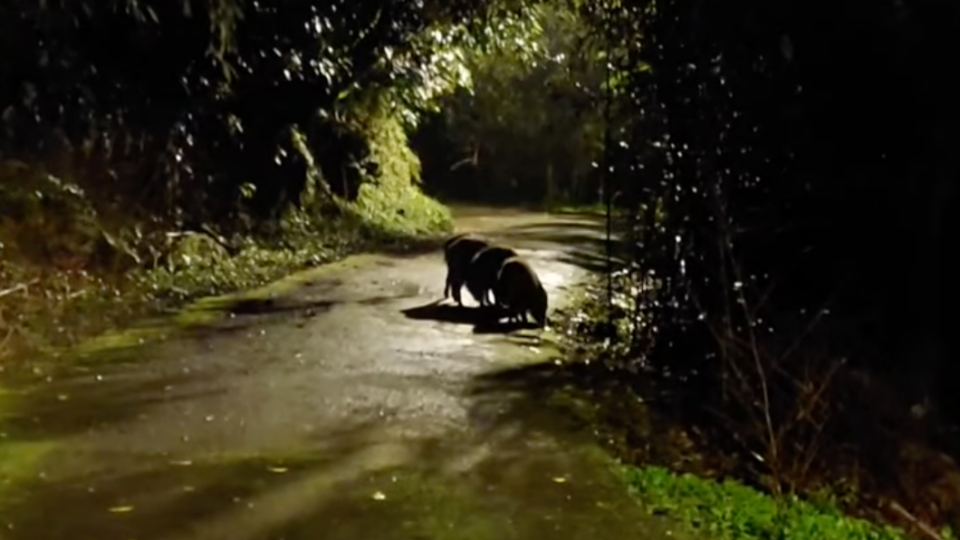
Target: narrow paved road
x=349, y=408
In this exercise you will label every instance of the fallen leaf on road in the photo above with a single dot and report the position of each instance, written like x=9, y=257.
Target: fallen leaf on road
x=277, y=469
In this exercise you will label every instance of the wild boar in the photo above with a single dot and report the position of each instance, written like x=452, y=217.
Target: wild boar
x=458, y=252
x=481, y=274
x=519, y=291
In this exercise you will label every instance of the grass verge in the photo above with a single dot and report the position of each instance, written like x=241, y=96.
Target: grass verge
x=57, y=311
x=728, y=510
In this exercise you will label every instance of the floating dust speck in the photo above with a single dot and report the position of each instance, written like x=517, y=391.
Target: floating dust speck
x=121, y=509
x=560, y=479
x=379, y=496
x=278, y=470
x=181, y=462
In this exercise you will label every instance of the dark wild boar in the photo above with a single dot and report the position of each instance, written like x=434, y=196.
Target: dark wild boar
x=481, y=275
x=458, y=252
x=519, y=291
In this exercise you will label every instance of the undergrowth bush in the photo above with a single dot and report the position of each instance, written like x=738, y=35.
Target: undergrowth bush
x=829, y=431
x=68, y=271
x=390, y=201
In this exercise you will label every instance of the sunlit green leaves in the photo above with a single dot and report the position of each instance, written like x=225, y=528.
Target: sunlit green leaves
x=200, y=85
x=533, y=117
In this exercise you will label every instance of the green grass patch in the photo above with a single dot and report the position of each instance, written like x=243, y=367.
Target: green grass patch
x=397, y=210
x=729, y=510
x=18, y=459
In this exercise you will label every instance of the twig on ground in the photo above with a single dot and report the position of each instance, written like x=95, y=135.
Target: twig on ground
x=6, y=338
x=19, y=287
x=925, y=528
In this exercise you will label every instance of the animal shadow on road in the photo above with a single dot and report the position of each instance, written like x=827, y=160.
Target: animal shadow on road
x=552, y=396
x=485, y=320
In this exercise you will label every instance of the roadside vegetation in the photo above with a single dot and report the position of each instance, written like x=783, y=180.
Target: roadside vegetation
x=677, y=458
x=110, y=212
x=729, y=510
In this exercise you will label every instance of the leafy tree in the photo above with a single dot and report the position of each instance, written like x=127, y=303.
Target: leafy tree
x=790, y=203
x=185, y=109
x=530, y=128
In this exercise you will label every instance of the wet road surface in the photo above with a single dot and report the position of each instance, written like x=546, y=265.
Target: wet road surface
x=351, y=407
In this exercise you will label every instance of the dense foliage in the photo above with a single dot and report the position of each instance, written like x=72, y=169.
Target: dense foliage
x=185, y=110
x=275, y=130
x=530, y=128
x=729, y=510
x=787, y=163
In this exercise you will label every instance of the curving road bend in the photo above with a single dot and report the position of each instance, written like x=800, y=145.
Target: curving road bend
x=348, y=408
